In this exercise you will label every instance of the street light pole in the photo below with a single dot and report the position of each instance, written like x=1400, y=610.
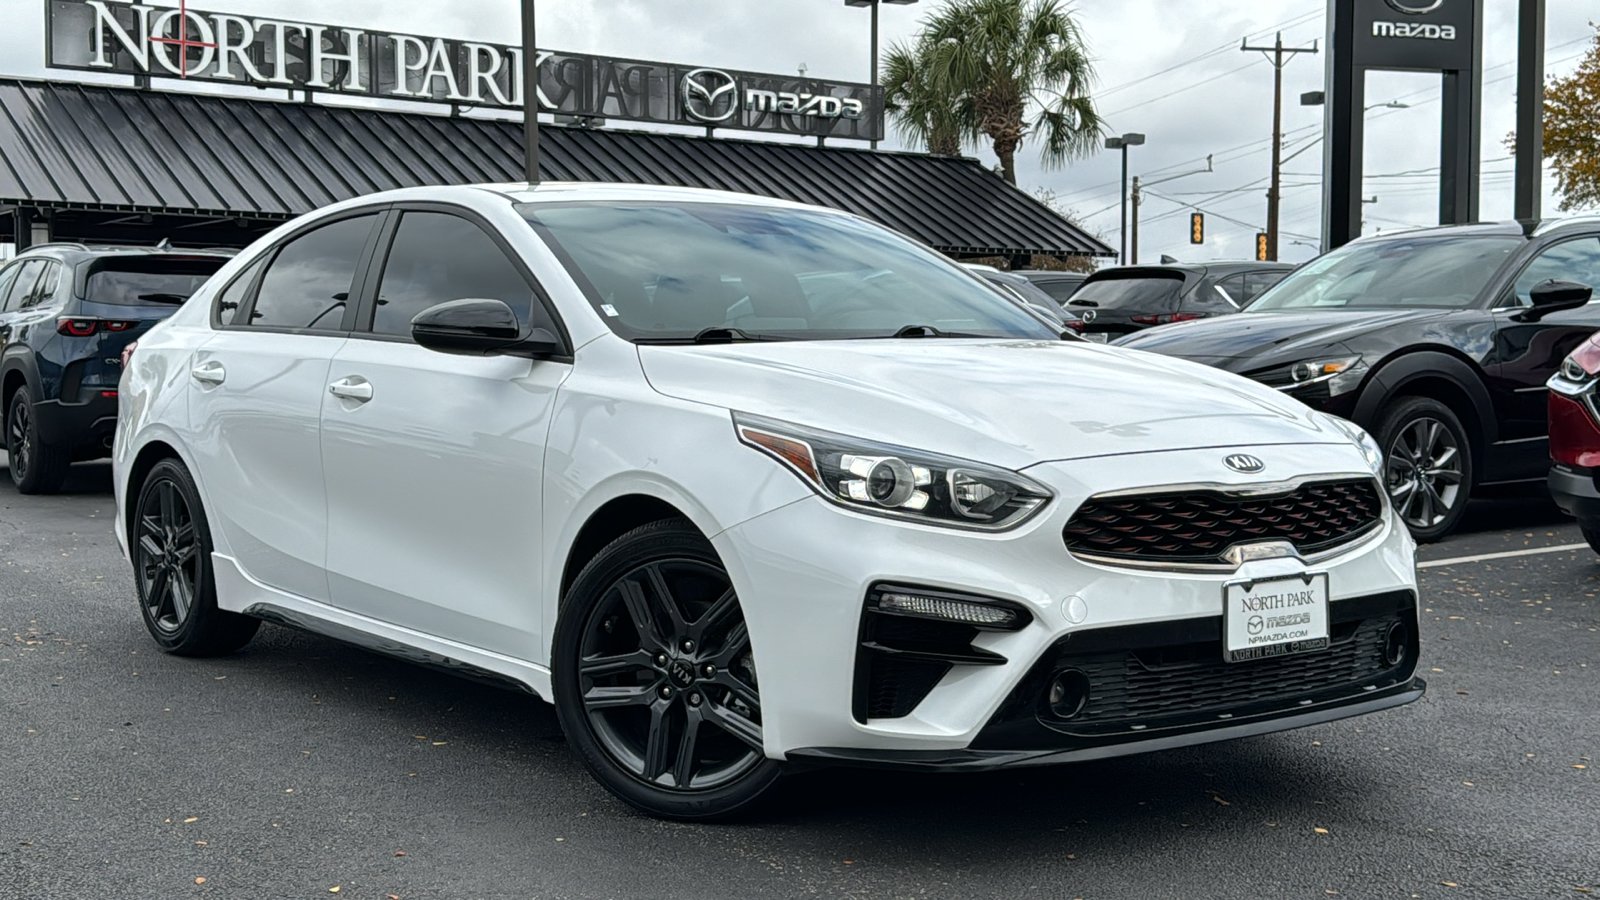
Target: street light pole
x=530, y=94
x=1530, y=110
x=875, y=4
x=1123, y=142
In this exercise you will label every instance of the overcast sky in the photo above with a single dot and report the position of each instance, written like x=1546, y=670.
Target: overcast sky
x=1217, y=100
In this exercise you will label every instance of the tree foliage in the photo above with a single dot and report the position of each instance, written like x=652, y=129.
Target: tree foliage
x=1006, y=70
x=1572, y=131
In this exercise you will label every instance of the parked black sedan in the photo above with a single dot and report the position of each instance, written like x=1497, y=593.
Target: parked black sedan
x=1439, y=341
x=1124, y=299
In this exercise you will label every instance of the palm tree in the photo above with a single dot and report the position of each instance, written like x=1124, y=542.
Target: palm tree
x=1005, y=69
x=923, y=114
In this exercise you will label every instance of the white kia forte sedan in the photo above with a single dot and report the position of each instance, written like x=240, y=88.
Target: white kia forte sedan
x=740, y=485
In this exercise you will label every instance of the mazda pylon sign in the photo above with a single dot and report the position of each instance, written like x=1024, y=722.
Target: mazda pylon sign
x=134, y=38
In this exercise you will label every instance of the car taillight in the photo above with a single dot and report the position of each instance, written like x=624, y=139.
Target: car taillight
x=1165, y=318
x=127, y=353
x=85, y=326
x=1574, y=437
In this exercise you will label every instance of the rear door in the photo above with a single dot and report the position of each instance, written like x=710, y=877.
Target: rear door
x=434, y=462
x=256, y=400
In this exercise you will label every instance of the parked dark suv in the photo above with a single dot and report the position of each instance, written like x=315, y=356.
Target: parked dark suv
x=1439, y=341
x=66, y=312
x=1124, y=299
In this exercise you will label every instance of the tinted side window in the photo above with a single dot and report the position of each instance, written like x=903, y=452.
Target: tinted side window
x=438, y=257
x=1256, y=283
x=27, y=277
x=8, y=277
x=1576, y=260
x=231, y=298
x=1060, y=290
x=43, y=289
x=1225, y=295
x=307, y=285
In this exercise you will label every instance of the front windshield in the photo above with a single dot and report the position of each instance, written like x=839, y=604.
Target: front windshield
x=1399, y=273
x=669, y=271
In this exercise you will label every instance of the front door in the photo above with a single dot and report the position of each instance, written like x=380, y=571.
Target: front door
x=434, y=462
x=255, y=401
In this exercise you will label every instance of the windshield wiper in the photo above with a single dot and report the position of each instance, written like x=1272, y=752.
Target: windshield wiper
x=724, y=334
x=176, y=299
x=920, y=331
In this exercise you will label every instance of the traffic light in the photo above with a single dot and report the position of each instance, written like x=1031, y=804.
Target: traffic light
x=1261, y=246
x=1197, y=228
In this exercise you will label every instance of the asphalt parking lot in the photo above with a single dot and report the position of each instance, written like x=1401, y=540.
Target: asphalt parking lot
x=301, y=767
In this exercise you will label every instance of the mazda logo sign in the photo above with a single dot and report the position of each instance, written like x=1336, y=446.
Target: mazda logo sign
x=710, y=96
x=1244, y=462
x=1088, y=316
x=1415, y=7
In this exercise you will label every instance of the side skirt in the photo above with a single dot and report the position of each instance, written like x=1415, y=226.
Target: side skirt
x=238, y=592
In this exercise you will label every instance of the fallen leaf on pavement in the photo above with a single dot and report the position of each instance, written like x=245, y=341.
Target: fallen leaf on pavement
x=191, y=819
x=1320, y=830
x=200, y=880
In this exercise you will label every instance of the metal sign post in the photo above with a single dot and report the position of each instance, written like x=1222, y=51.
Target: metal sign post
x=530, y=91
x=1442, y=36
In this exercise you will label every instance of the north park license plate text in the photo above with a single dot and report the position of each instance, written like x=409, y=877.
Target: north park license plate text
x=1275, y=616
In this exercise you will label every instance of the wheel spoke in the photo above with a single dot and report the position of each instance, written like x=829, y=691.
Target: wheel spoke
x=726, y=607
x=737, y=688
x=182, y=596
x=153, y=550
x=733, y=723
x=1402, y=491
x=665, y=601
x=738, y=641
x=1445, y=476
x=1445, y=457
x=609, y=697
x=644, y=619
x=165, y=496
x=658, y=746
x=609, y=666
x=156, y=596
x=683, y=768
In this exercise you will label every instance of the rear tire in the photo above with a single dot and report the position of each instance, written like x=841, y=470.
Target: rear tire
x=36, y=467
x=1591, y=533
x=1427, y=465
x=169, y=542
x=655, y=680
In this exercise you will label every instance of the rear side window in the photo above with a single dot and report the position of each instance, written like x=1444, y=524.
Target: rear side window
x=307, y=284
x=18, y=290
x=148, y=281
x=1256, y=283
x=45, y=288
x=1157, y=292
x=232, y=298
x=1060, y=289
x=438, y=257
x=8, y=277
x=1225, y=296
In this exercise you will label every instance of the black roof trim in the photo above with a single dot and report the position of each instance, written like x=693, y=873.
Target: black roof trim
x=95, y=147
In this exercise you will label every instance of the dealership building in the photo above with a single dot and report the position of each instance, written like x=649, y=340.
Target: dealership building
x=323, y=113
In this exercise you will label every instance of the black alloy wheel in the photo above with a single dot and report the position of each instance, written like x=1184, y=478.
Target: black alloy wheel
x=1427, y=466
x=36, y=468
x=655, y=677
x=171, y=549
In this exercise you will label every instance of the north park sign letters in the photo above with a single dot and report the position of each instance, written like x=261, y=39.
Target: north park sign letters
x=136, y=38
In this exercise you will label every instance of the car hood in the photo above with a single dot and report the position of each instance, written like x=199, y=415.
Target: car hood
x=1249, y=340
x=1009, y=403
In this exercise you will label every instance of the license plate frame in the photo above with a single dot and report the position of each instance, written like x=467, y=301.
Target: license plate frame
x=1280, y=615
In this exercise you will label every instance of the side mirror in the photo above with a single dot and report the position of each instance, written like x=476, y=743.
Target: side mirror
x=475, y=327
x=1554, y=296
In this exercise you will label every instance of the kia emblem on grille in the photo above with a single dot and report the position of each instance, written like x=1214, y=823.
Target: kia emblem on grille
x=1244, y=462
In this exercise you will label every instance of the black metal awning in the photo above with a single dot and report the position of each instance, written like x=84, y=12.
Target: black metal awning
x=81, y=153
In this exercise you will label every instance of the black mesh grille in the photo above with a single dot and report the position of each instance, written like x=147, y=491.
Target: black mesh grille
x=896, y=686
x=1197, y=527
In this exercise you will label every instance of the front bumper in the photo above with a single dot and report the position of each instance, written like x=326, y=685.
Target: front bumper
x=1574, y=489
x=805, y=570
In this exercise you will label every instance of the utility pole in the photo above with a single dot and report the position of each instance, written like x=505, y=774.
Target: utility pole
x=1530, y=110
x=1278, y=53
x=530, y=94
x=874, y=4
x=1123, y=142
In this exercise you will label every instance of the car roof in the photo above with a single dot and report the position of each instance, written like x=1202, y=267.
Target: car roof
x=73, y=252
x=1188, y=270
x=1507, y=228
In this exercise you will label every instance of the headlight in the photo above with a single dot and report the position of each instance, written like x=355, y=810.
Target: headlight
x=1341, y=373
x=1358, y=435
x=895, y=481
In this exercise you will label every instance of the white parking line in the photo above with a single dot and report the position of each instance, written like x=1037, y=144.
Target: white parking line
x=1531, y=551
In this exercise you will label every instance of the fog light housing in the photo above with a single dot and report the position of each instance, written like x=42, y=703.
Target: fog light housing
x=949, y=609
x=1068, y=694
x=1396, y=644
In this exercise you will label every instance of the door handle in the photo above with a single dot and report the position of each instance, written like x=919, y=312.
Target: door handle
x=353, y=388
x=210, y=372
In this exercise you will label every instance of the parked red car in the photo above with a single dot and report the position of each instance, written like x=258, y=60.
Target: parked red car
x=1575, y=438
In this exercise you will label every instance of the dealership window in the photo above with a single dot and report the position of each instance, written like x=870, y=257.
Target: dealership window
x=1576, y=260
x=438, y=257
x=307, y=285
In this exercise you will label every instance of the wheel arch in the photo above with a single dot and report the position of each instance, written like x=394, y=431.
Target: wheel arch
x=15, y=372
x=1441, y=376
x=611, y=520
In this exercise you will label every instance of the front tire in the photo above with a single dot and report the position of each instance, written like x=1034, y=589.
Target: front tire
x=655, y=681
x=1427, y=465
x=36, y=467
x=170, y=544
